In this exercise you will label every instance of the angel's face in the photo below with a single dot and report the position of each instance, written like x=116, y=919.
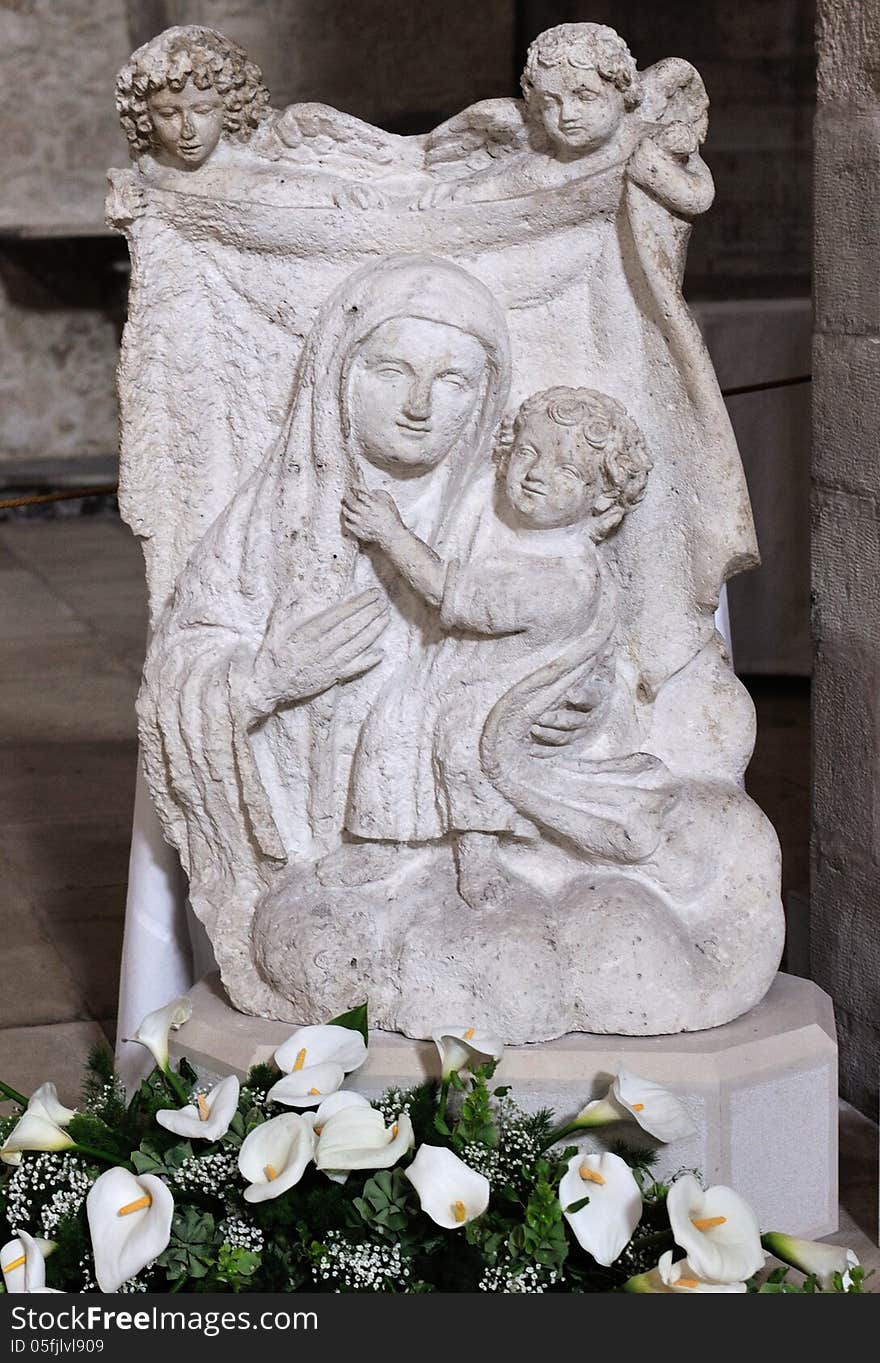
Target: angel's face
x=187, y=124
x=579, y=110
x=413, y=389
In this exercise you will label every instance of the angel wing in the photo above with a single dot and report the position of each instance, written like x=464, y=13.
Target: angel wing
x=674, y=97
x=477, y=138
x=319, y=131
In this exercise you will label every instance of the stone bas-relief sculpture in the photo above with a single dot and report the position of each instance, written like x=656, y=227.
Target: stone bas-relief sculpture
x=437, y=493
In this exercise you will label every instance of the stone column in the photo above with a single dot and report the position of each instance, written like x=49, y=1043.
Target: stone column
x=846, y=529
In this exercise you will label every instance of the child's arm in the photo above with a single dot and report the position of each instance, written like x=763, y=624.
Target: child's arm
x=373, y=517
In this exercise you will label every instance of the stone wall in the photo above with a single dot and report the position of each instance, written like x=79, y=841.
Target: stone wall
x=846, y=536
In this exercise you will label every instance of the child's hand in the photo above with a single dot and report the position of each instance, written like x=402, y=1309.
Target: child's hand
x=370, y=516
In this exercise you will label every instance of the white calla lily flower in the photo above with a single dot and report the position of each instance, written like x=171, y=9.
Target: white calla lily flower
x=605, y=1226
x=449, y=1191
x=336, y=1103
x=45, y=1101
x=208, y=1118
x=461, y=1047
x=812, y=1257
x=35, y=1131
x=23, y=1263
x=130, y=1224
x=717, y=1230
x=307, y=1087
x=678, y=1277
x=631, y=1098
x=330, y=1044
x=356, y=1138
x=274, y=1156
x=156, y=1028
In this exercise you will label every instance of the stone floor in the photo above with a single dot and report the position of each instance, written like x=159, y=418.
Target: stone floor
x=72, y=625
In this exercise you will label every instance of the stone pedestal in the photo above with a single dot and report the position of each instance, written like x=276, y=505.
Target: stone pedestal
x=762, y=1090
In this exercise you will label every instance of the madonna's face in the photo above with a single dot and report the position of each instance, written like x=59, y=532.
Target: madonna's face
x=412, y=391
x=187, y=124
x=579, y=110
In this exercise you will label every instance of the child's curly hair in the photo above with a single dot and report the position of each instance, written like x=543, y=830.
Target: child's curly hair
x=593, y=47
x=190, y=53
x=603, y=423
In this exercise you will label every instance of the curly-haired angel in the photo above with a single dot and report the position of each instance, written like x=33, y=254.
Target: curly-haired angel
x=586, y=109
x=527, y=583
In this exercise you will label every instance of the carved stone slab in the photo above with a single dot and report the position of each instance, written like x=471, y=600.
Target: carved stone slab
x=437, y=492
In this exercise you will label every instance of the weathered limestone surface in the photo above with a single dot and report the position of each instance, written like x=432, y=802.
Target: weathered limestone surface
x=846, y=542
x=437, y=492
x=762, y=1091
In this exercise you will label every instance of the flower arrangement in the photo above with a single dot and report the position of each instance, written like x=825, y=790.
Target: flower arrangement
x=290, y=1182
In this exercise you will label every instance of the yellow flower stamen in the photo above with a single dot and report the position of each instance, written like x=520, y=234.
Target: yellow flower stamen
x=469, y=1033
x=707, y=1222
x=137, y=1206
x=315, y=1093
x=687, y=1282
x=394, y=1130
x=300, y=1061
x=590, y=1176
x=204, y=1110
x=271, y=1172
x=637, y=1107
x=16, y=1263
x=459, y=1211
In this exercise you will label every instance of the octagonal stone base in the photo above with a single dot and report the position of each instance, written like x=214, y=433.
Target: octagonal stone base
x=762, y=1090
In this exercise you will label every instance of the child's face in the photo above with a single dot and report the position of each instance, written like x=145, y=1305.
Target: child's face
x=187, y=123
x=552, y=474
x=579, y=110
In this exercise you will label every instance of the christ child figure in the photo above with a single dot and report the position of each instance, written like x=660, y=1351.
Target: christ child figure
x=526, y=584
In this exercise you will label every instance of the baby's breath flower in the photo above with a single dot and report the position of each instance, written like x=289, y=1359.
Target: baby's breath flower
x=506, y=1277
x=392, y=1104
x=359, y=1266
x=209, y=1174
x=44, y=1190
x=240, y=1234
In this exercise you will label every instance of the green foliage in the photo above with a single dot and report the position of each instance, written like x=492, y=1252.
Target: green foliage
x=476, y=1122
x=236, y=1267
x=383, y=1203
x=193, y=1248
x=355, y=1020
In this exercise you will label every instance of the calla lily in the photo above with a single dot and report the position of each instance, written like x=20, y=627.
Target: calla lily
x=36, y=1131
x=23, y=1262
x=449, y=1191
x=822, y=1261
x=330, y=1106
x=461, y=1047
x=130, y=1224
x=45, y=1100
x=679, y=1277
x=156, y=1027
x=274, y=1156
x=330, y=1044
x=357, y=1138
x=335, y=1103
x=307, y=1087
x=717, y=1229
x=605, y=1225
x=208, y=1118
x=631, y=1098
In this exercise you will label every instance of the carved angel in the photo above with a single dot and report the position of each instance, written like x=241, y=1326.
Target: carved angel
x=586, y=110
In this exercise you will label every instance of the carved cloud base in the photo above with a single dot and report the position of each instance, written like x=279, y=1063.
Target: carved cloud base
x=607, y=953
x=762, y=1091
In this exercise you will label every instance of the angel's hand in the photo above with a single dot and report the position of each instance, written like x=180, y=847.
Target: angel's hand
x=125, y=199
